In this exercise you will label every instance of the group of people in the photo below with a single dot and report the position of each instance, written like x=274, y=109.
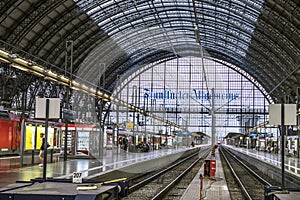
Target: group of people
x=143, y=147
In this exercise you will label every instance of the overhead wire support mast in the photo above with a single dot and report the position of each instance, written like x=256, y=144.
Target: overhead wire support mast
x=212, y=102
x=197, y=34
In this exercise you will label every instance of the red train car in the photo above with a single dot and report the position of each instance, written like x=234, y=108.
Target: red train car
x=10, y=133
x=11, y=128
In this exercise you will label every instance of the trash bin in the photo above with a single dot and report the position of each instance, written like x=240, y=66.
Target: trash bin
x=209, y=168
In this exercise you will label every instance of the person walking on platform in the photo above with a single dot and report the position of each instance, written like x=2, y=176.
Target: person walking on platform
x=275, y=149
x=125, y=143
x=43, y=148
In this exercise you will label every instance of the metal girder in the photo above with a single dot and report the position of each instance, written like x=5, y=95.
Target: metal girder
x=261, y=37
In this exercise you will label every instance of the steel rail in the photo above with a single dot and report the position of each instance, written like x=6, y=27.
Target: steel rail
x=240, y=183
x=165, y=190
x=244, y=190
x=153, y=177
x=263, y=181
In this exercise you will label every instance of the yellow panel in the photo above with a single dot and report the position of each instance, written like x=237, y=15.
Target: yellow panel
x=50, y=136
x=40, y=130
x=29, y=137
x=129, y=125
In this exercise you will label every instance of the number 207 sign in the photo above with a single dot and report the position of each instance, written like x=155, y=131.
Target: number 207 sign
x=77, y=177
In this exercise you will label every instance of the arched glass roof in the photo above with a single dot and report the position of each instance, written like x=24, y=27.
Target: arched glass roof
x=227, y=31
x=113, y=38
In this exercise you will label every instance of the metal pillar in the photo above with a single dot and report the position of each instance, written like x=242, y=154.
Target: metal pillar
x=213, y=118
x=46, y=140
x=282, y=147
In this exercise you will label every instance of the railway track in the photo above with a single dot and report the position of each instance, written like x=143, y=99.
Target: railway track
x=250, y=182
x=169, y=183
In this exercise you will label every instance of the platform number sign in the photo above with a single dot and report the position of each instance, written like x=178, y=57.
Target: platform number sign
x=77, y=177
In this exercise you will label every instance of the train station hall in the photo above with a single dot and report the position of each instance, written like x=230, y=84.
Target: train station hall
x=158, y=99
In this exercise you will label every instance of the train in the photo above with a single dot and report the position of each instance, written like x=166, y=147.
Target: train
x=10, y=132
x=23, y=134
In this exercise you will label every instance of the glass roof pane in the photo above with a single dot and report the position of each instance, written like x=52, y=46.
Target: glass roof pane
x=225, y=26
x=94, y=10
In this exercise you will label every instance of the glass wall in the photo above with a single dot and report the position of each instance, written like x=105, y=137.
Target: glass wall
x=187, y=91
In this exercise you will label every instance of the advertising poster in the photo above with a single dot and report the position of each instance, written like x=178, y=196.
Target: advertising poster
x=30, y=137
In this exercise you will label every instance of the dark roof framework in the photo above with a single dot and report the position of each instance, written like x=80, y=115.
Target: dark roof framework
x=112, y=38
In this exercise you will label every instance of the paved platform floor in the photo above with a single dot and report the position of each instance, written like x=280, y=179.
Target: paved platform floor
x=214, y=188
x=290, y=196
x=11, y=171
x=291, y=163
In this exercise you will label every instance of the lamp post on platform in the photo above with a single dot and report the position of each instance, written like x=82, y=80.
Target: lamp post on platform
x=46, y=108
x=69, y=45
x=134, y=102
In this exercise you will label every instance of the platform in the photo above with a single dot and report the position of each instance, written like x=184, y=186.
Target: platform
x=57, y=190
x=10, y=170
x=289, y=196
x=213, y=187
x=292, y=164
